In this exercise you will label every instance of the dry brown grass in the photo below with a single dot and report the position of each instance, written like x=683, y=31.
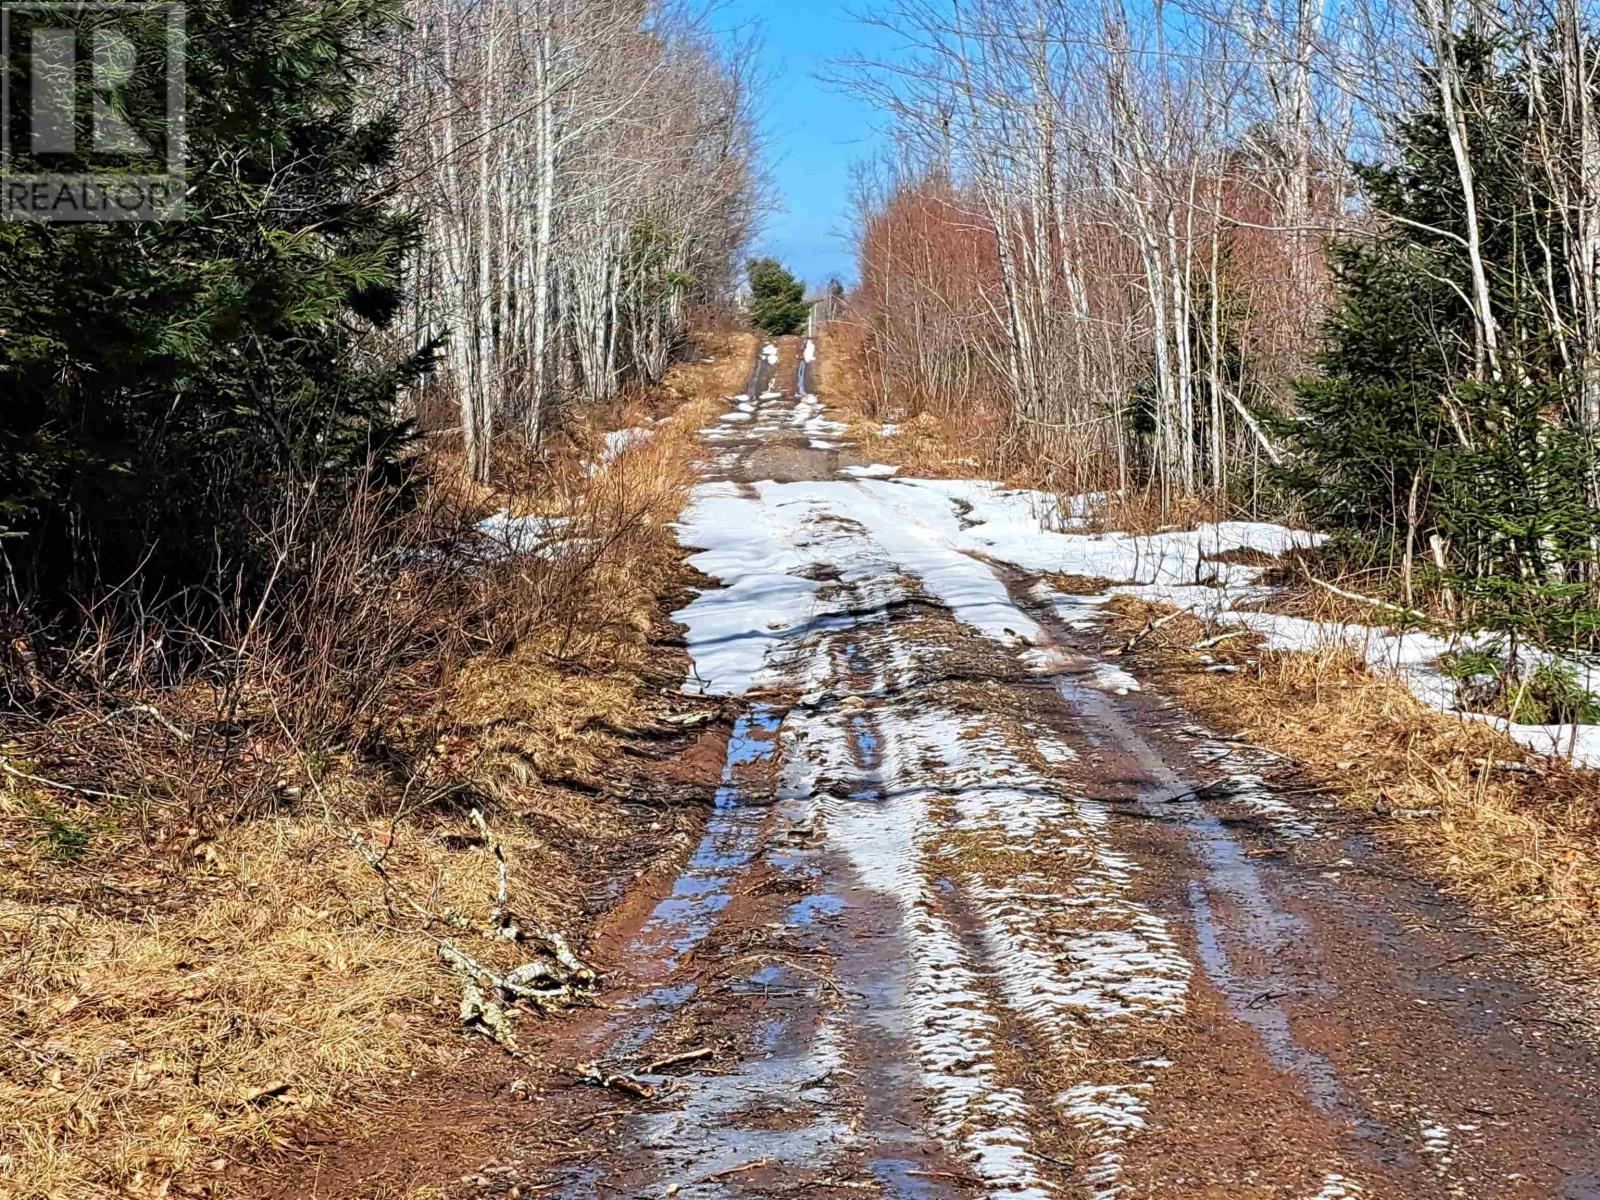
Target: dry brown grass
x=1516, y=834
x=732, y=355
x=1147, y=512
x=147, y=1045
x=925, y=443
x=187, y=979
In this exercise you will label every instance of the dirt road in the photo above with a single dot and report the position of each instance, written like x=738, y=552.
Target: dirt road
x=976, y=917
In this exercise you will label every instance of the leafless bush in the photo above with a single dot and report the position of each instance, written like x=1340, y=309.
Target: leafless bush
x=352, y=645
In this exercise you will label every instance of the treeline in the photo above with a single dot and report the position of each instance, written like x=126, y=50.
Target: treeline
x=1103, y=225
x=1338, y=259
x=585, y=170
x=506, y=209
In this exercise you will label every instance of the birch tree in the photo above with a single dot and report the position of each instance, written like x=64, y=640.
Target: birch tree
x=585, y=172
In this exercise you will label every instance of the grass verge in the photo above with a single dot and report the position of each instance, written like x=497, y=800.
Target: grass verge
x=224, y=896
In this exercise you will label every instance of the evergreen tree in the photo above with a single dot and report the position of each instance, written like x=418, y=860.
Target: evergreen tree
x=168, y=382
x=777, y=299
x=1404, y=435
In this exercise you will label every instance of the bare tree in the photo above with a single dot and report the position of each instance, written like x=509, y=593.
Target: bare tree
x=584, y=170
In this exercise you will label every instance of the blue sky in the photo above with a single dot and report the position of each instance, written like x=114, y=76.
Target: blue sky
x=813, y=132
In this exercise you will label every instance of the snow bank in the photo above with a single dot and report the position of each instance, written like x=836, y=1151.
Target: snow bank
x=536, y=535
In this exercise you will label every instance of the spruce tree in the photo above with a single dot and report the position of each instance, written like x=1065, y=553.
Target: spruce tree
x=168, y=383
x=777, y=299
x=1404, y=435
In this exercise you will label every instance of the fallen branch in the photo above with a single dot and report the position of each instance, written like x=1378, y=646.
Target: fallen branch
x=690, y=720
x=678, y=1060
x=1369, y=601
x=485, y=992
x=1151, y=626
x=591, y=1073
x=149, y=710
x=1200, y=791
x=726, y=1172
x=41, y=781
x=1209, y=642
x=953, y=1176
x=502, y=872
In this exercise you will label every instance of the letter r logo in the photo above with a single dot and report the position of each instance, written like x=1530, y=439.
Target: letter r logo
x=55, y=92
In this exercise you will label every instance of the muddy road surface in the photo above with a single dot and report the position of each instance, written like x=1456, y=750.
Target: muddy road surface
x=975, y=916
x=962, y=926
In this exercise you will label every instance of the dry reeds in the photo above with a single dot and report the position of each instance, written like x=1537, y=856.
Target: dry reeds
x=194, y=957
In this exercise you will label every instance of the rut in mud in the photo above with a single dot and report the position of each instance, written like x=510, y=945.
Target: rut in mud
x=974, y=916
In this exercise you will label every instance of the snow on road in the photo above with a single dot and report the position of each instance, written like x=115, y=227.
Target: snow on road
x=937, y=530
x=753, y=538
x=930, y=805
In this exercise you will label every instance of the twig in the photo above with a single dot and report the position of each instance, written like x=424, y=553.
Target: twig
x=1154, y=624
x=59, y=786
x=1219, y=639
x=149, y=710
x=503, y=884
x=754, y=1165
x=677, y=1060
x=626, y=1084
x=953, y=1176
x=596, y=1118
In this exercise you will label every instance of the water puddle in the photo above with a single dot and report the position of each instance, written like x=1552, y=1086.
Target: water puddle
x=1254, y=1002
x=731, y=840
x=778, y=1110
x=806, y=913
x=899, y=1179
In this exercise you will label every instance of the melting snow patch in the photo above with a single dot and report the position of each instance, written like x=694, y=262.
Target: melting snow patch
x=619, y=440
x=1337, y=1187
x=1111, y=1113
x=535, y=535
x=1063, y=944
x=1581, y=743
x=1053, y=750
x=870, y=471
x=732, y=629
x=1436, y=1142
x=948, y=1020
x=1112, y=678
